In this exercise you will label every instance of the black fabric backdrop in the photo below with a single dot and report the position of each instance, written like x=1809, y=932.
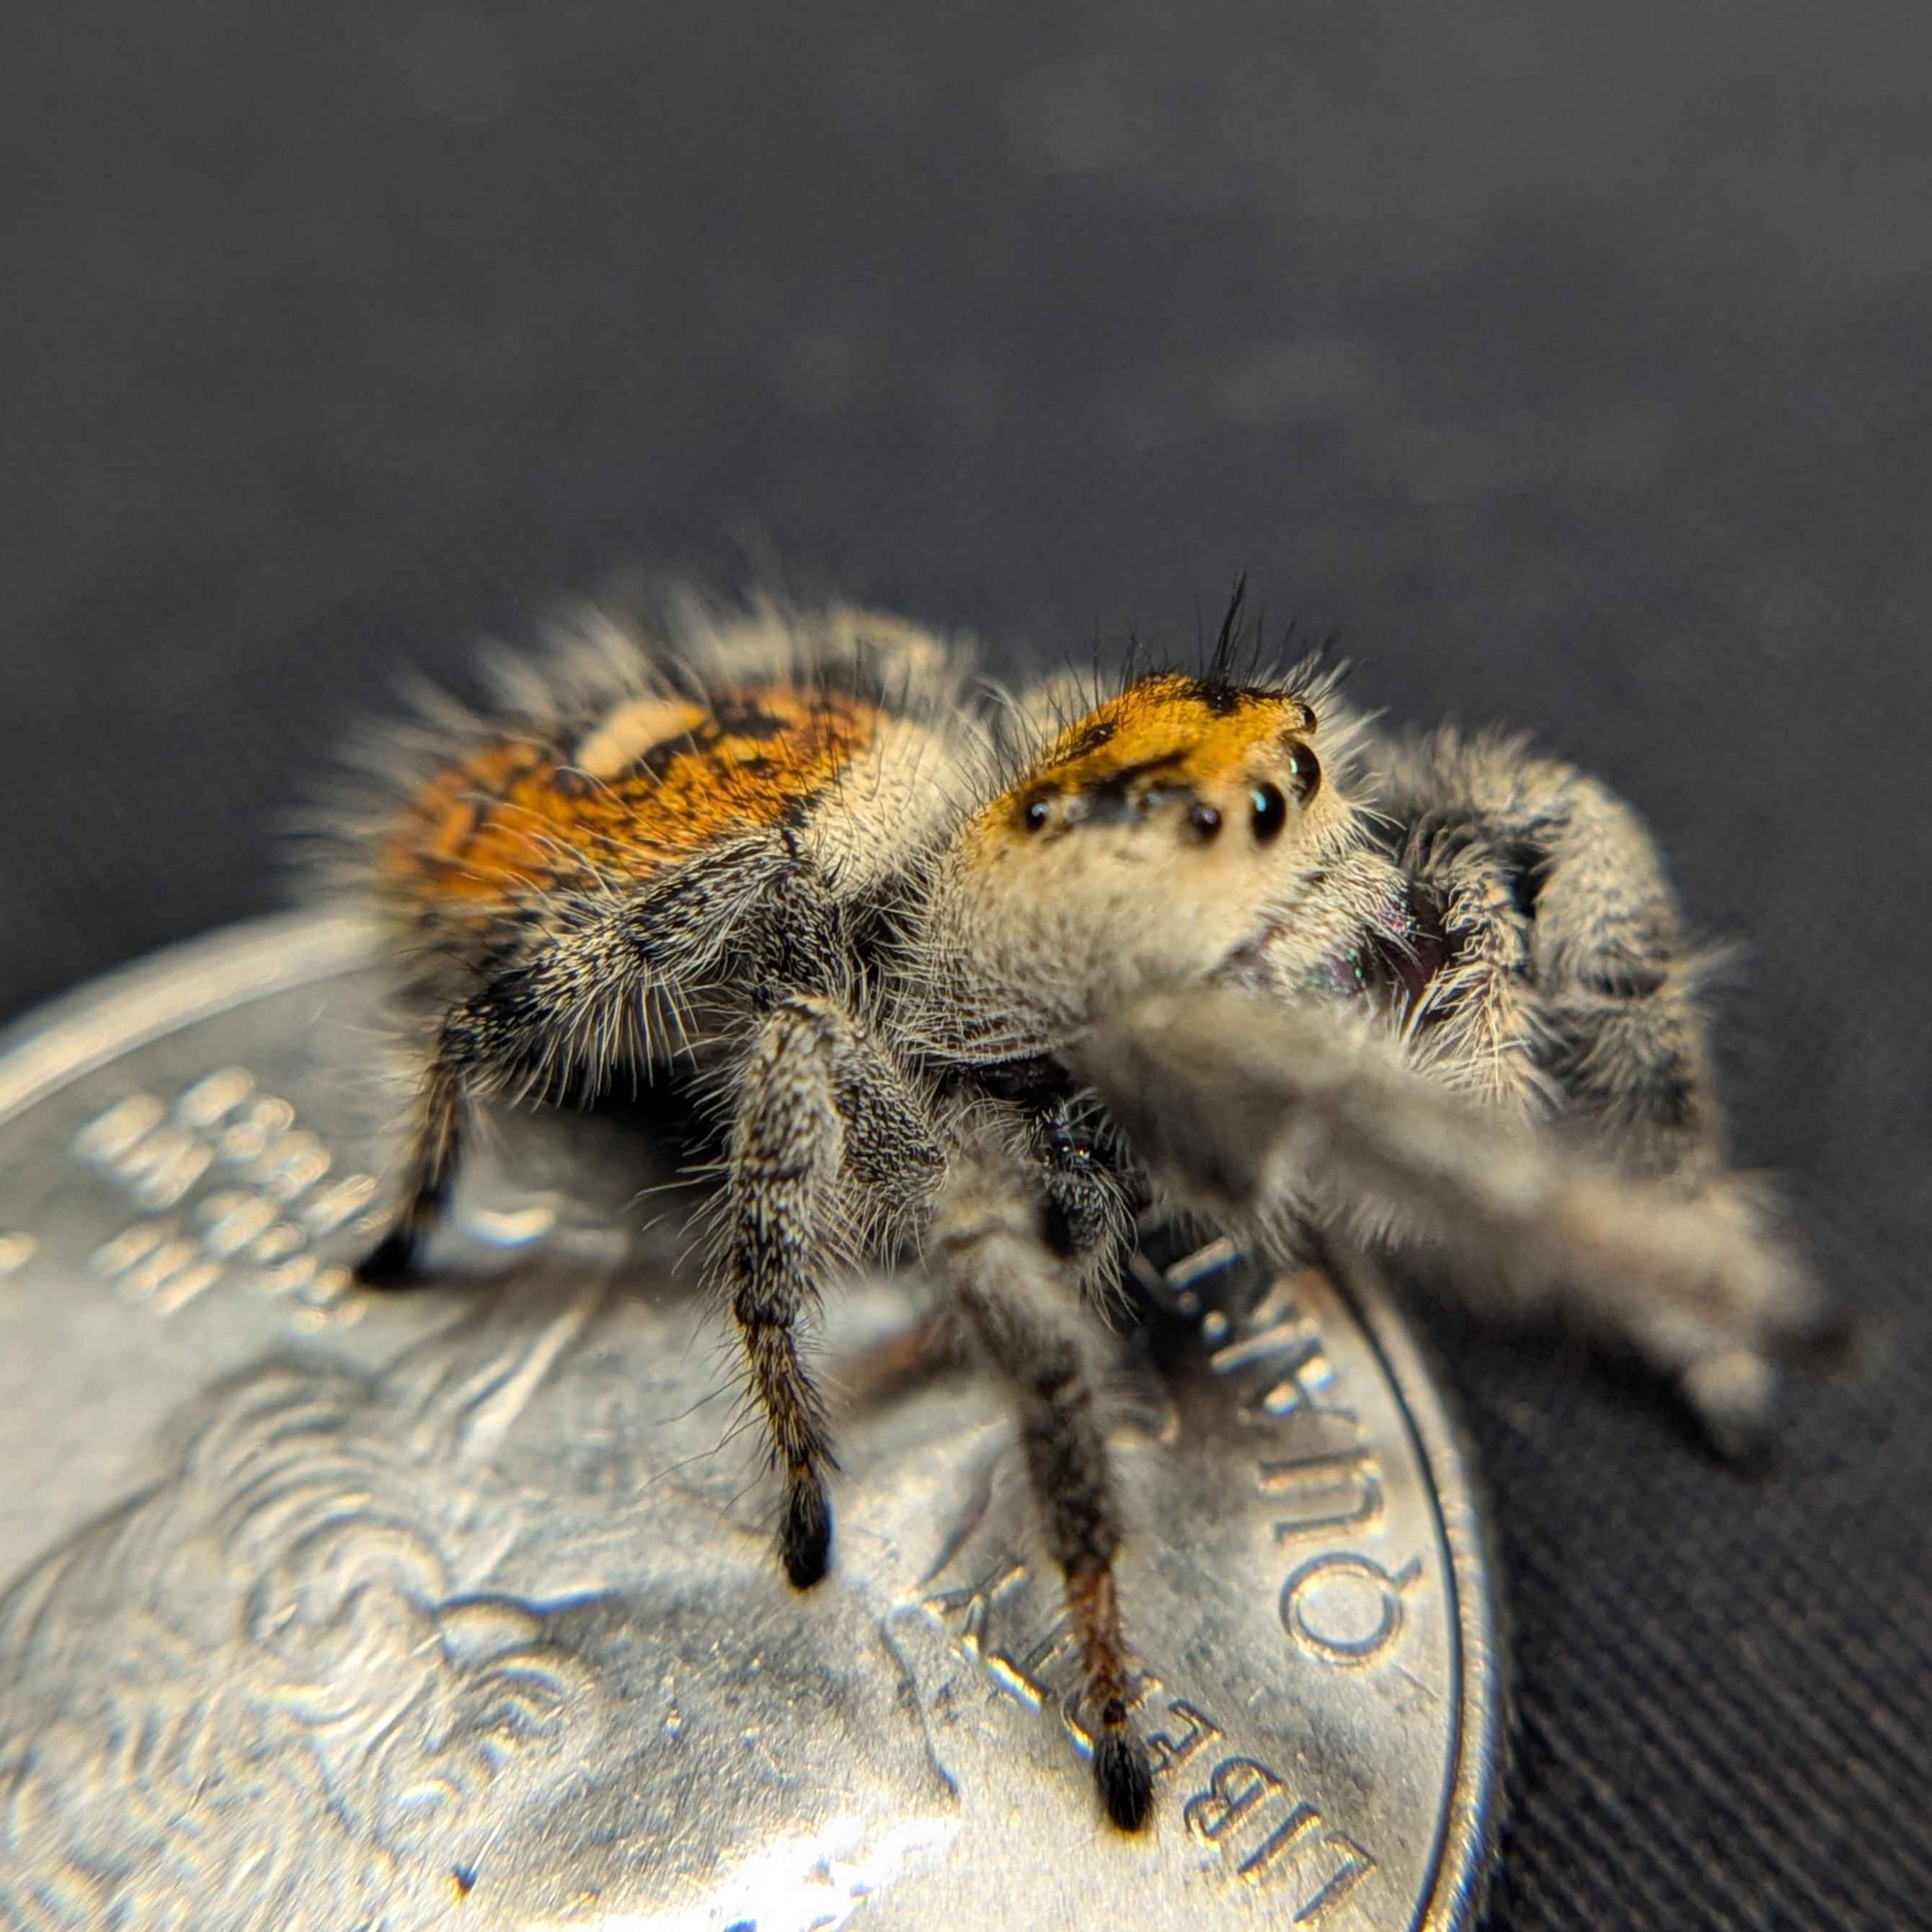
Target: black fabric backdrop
x=1572, y=363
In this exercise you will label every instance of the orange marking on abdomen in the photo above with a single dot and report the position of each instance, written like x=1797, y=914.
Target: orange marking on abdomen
x=519, y=817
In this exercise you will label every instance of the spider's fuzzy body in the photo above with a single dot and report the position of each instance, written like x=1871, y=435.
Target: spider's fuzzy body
x=984, y=982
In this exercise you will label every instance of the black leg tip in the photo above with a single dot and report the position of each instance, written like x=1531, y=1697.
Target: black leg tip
x=392, y=1262
x=805, y=1536
x=1734, y=1395
x=1126, y=1778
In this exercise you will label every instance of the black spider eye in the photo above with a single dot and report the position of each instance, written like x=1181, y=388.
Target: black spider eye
x=1271, y=811
x=1035, y=815
x=1304, y=772
x=1205, y=820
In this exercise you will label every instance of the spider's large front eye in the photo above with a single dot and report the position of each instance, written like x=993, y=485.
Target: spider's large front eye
x=1271, y=811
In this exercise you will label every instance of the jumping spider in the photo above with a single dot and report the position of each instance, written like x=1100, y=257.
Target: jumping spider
x=983, y=981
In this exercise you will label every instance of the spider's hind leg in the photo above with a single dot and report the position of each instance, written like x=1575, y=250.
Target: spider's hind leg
x=438, y=1125
x=561, y=1002
x=1022, y=1299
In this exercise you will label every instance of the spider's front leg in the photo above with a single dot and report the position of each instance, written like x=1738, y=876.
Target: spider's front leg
x=999, y=1236
x=820, y=1110
x=1243, y=1105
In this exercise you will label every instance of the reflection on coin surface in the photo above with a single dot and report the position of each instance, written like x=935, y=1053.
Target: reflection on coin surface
x=321, y=1608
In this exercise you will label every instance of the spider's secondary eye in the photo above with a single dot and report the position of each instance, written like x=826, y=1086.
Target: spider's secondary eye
x=1205, y=820
x=1304, y=772
x=1035, y=815
x=1271, y=811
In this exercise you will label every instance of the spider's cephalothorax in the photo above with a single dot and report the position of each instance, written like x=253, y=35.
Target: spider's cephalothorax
x=983, y=985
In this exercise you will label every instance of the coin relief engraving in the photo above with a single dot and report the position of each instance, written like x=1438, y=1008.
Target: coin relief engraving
x=370, y=1612
x=260, y=1225
x=1343, y=1605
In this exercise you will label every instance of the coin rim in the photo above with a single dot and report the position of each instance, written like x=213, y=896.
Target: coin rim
x=1470, y=1833
x=76, y=1033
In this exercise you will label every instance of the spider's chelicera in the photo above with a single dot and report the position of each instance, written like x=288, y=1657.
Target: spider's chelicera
x=981, y=982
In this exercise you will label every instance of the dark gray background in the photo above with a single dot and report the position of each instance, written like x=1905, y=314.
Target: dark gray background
x=1572, y=362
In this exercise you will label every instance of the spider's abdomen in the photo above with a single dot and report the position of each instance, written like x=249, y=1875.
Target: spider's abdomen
x=651, y=782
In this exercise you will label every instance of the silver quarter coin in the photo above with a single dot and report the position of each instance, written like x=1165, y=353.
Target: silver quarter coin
x=321, y=1608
